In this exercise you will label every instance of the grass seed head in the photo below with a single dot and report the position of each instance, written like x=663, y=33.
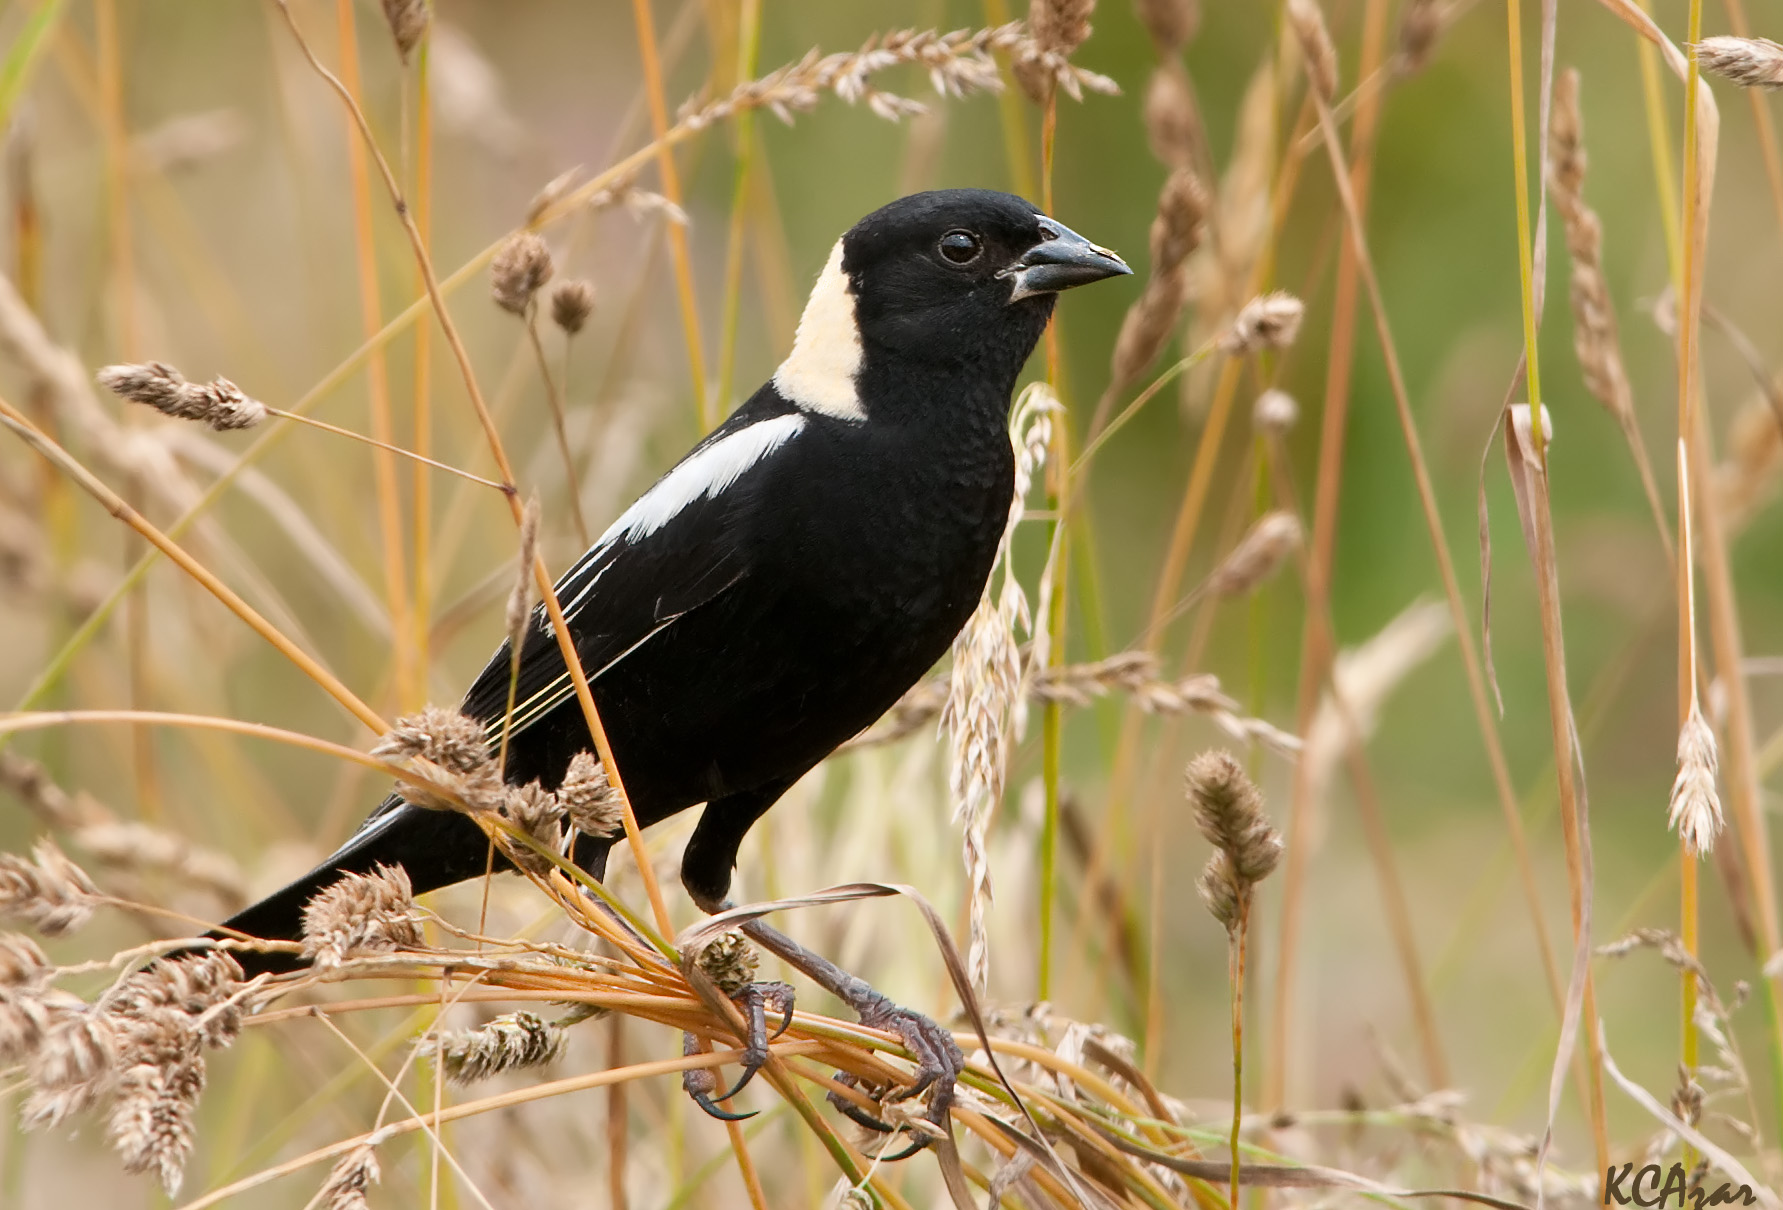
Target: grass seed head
x=1308, y=20
x=408, y=21
x=453, y=741
x=1695, y=805
x=73, y=1067
x=361, y=914
x=572, y=302
x=1228, y=809
x=536, y=812
x=1171, y=23
x=730, y=962
x=1748, y=62
x=507, y=1043
x=589, y=801
x=1420, y=25
x=521, y=266
x=1258, y=555
x=49, y=891
x=218, y=403
x=151, y=1118
x=520, y=599
x=1175, y=233
x=24, y=1019
x=22, y=963
x=1220, y=890
x=1170, y=126
x=1269, y=321
x=351, y=1176
x=1274, y=412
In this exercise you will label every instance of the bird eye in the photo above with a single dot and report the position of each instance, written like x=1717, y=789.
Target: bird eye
x=961, y=247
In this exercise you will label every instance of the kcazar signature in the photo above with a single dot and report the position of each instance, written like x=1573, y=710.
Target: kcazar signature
x=1644, y=1188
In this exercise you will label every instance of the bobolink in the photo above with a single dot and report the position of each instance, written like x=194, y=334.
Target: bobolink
x=789, y=579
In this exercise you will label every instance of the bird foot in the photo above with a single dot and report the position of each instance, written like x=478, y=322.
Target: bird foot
x=939, y=1063
x=753, y=1000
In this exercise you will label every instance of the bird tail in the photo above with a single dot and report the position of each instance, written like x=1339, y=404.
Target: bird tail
x=435, y=849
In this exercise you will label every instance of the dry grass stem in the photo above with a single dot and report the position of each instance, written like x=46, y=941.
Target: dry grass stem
x=1748, y=62
x=1695, y=805
x=50, y=892
x=508, y=1043
x=362, y=914
x=218, y=403
x=572, y=302
x=520, y=270
x=408, y=20
x=1308, y=20
x=1270, y=321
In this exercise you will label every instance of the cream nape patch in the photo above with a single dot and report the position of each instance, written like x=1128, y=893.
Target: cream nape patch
x=819, y=374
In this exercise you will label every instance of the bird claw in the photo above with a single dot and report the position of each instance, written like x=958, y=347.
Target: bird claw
x=753, y=1000
x=939, y=1063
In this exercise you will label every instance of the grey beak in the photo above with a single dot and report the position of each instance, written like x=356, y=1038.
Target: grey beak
x=1060, y=260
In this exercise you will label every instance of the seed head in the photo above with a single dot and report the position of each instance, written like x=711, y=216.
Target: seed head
x=513, y=1041
x=730, y=962
x=218, y=403
x=1748, y=62
x=1308, y=20
x=1229, y=811
x=535, y=811
x=73, y=1067
x=453, y=741
x=1171, y=23
x=361, y=914
x=1274, y=412
x=408, y=22
x=1258, y=554
x=151, y=1119
x=1175, y=233
x=1220, y=890
x=24, y=1019
x=589, y=801
x=352, y=1175
x=1695, y=806
x=520, y=268
x=1060, y=26
x=50, y=892
x=520, y=599
x=1420, y=25
x=1170, y=126
x=22, y=963
x=1270, y=321
x=572, y=302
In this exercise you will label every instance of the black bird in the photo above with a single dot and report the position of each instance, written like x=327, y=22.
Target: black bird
x=780, y=588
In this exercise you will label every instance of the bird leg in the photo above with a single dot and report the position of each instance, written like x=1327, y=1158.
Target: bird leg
x=939, y=1060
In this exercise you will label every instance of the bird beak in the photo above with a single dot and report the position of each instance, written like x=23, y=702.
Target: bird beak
x=1060, y=260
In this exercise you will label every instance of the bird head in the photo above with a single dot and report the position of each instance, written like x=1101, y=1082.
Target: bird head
x=955, y=280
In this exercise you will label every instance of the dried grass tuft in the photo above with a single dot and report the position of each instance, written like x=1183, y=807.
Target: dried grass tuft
x=520, y=269
x=351, y=1176
x=49, y=892
x=572, y=302
x=508, y=1043
x=453, y=741
x=218, y=403
x=408, y=20
x=1308, y=20
x=1274, y=412
x=1748, y=62
x=1269, y=321
x=1175, y=233
x=1695, y=805
x=537, y=813
x=362, y=914
x=589, y=801
x=1171, y=23
x=730, y=962
x=1258, y=555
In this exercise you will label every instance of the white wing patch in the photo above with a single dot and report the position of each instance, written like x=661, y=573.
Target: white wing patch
x=819, y=374
x=703, y=474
